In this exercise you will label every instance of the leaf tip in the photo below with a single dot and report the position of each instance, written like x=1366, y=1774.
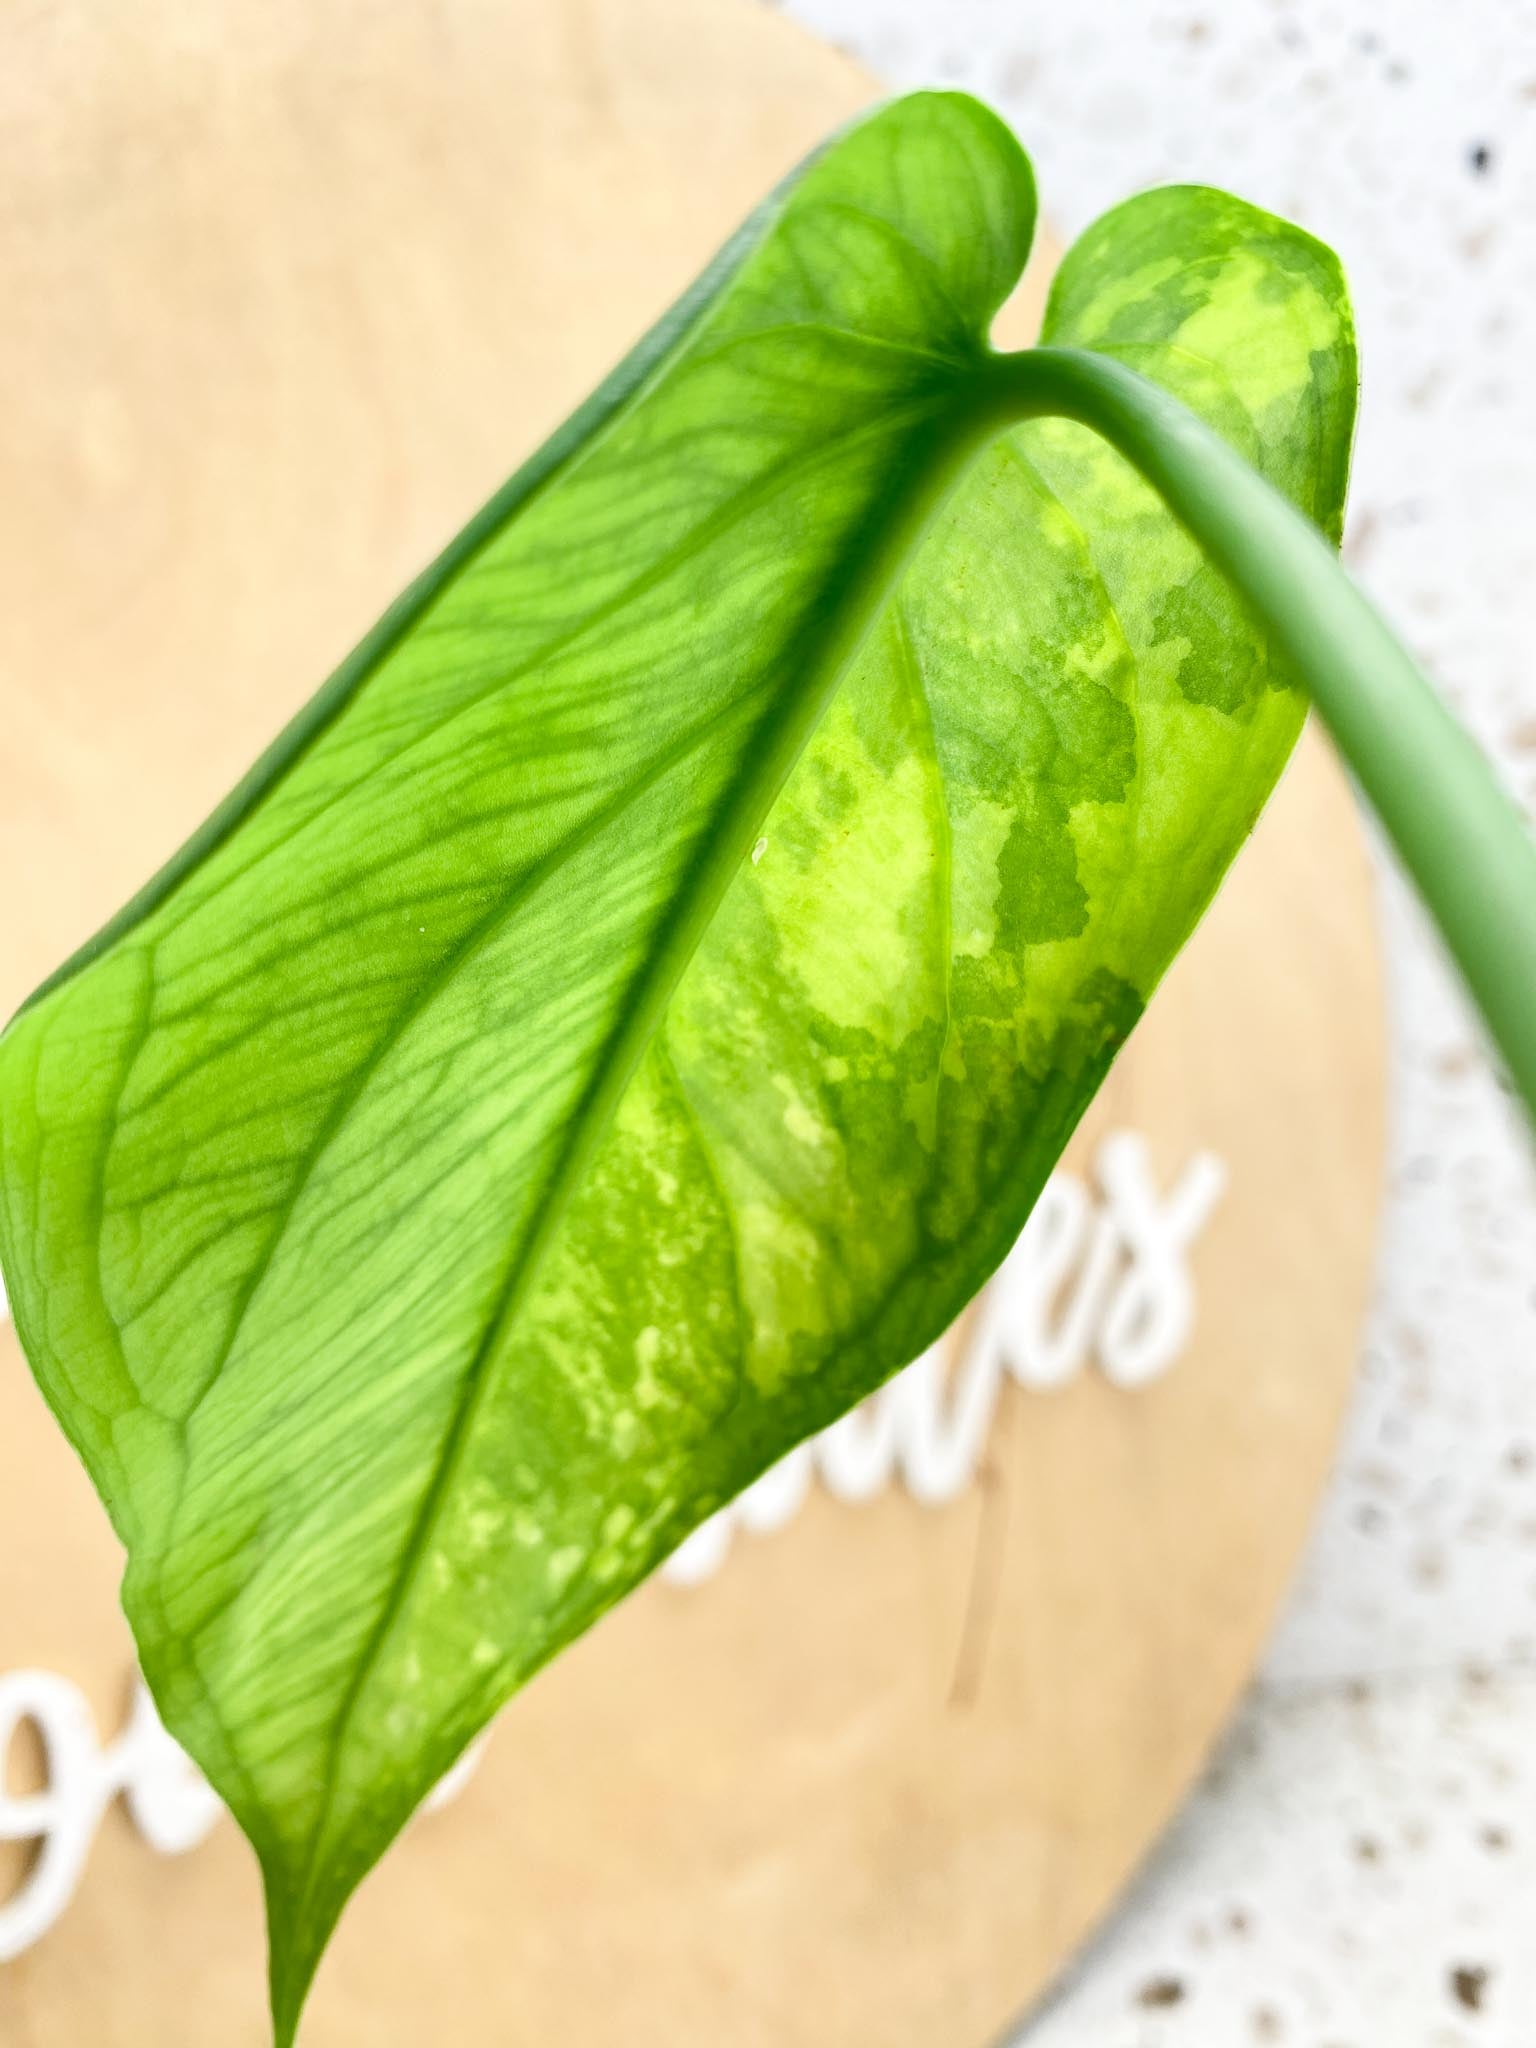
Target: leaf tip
x=296, y=1941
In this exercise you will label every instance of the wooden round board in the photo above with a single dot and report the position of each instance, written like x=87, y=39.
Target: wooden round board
x=290, y=287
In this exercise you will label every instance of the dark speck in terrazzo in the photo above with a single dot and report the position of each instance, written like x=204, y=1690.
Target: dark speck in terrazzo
x=1480, y=157
x=1161, y=1992
x=1469, y=1984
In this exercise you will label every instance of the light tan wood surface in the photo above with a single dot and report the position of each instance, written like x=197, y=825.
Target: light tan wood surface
x=290, y=287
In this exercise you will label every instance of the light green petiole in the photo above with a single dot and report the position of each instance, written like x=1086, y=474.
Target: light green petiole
x=1459, y=836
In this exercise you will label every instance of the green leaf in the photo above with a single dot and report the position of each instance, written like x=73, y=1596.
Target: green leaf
x=636, y=1006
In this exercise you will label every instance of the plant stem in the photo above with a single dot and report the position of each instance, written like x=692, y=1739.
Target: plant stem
x=1459, y=836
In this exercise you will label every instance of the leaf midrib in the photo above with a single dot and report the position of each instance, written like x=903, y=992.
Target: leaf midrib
x=885, y=558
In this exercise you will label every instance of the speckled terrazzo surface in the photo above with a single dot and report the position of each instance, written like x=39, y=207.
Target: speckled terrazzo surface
x=1359, y=1869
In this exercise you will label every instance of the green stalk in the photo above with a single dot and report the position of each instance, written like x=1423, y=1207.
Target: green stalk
x=1458, y=835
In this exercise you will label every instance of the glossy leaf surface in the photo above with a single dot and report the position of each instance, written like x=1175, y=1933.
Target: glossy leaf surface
x=637, y=1006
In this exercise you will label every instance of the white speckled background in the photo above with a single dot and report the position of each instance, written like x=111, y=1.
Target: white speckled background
x=1359, y=1868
